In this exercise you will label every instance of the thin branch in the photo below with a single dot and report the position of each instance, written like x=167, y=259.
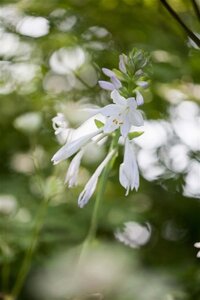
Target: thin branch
x=196, y=9
x=177, y=18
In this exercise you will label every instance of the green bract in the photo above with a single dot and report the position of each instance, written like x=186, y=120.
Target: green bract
x=98, y=123
x=135, y=134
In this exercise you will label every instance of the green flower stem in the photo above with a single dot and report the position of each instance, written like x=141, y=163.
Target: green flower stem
x=5, y=274
x=26, y=264
x=100, y=193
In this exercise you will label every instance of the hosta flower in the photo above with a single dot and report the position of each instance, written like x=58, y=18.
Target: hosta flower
x=71, y=148
x=128, y=172
x=122, y=114
x=59, y=123
x=90, y=187
x=114, y=84
x=72, y=173
x=61, y=129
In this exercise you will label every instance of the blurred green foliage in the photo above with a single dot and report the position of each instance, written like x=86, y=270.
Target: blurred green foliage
x=34, y=86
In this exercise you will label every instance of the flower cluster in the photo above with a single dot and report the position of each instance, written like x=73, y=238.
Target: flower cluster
x=116, y=121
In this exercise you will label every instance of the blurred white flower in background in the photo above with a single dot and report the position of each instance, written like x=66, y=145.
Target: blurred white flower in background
x=134, y=234
x=197, y=245
x=29, y=122
x=33, y=26
x=67, y=60
x=8, y=204
x=107, y=272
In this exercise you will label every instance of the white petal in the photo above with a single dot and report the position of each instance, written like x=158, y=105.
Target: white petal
x=117, y=98
x=73, y=169
x=110, y=110
x=71, y=148
x=106, y=85
x=110, y=125
x=91, y=184
x=64, y=135
x=129, y=174
x=88, y=191
x=131, y=103
x=108, y=72
x=125, y=127
x=136, y=178
x=59, y=121
x=122, y=177
x=116, y=82
x=139, y=98
x=136, y=118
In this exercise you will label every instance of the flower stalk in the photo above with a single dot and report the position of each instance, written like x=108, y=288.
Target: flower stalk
x=100, y=192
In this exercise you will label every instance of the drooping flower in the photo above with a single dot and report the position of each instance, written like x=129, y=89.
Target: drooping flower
x=128, y=172
x=61, y=129
x=90, y=187
x=110, y=86
x=72, y=147
x=122, y=114
x=72, y=173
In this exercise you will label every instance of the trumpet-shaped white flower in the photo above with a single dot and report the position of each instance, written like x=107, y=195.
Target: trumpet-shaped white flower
x=123, y=113
x=59, y=123
x=73, y=169
x=71, y=148
x=110, y=86
x=90, y=187
x=60, y=126
x=128, y=172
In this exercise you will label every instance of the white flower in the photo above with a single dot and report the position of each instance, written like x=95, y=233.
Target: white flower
x=61, y=129
x=114, y=84
x=128, y=172
x=197, y=245
x=134, y=234
x=59, y=123
x=71, y=148
x=90, y=187
x=73, y=169
x=123, y=113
